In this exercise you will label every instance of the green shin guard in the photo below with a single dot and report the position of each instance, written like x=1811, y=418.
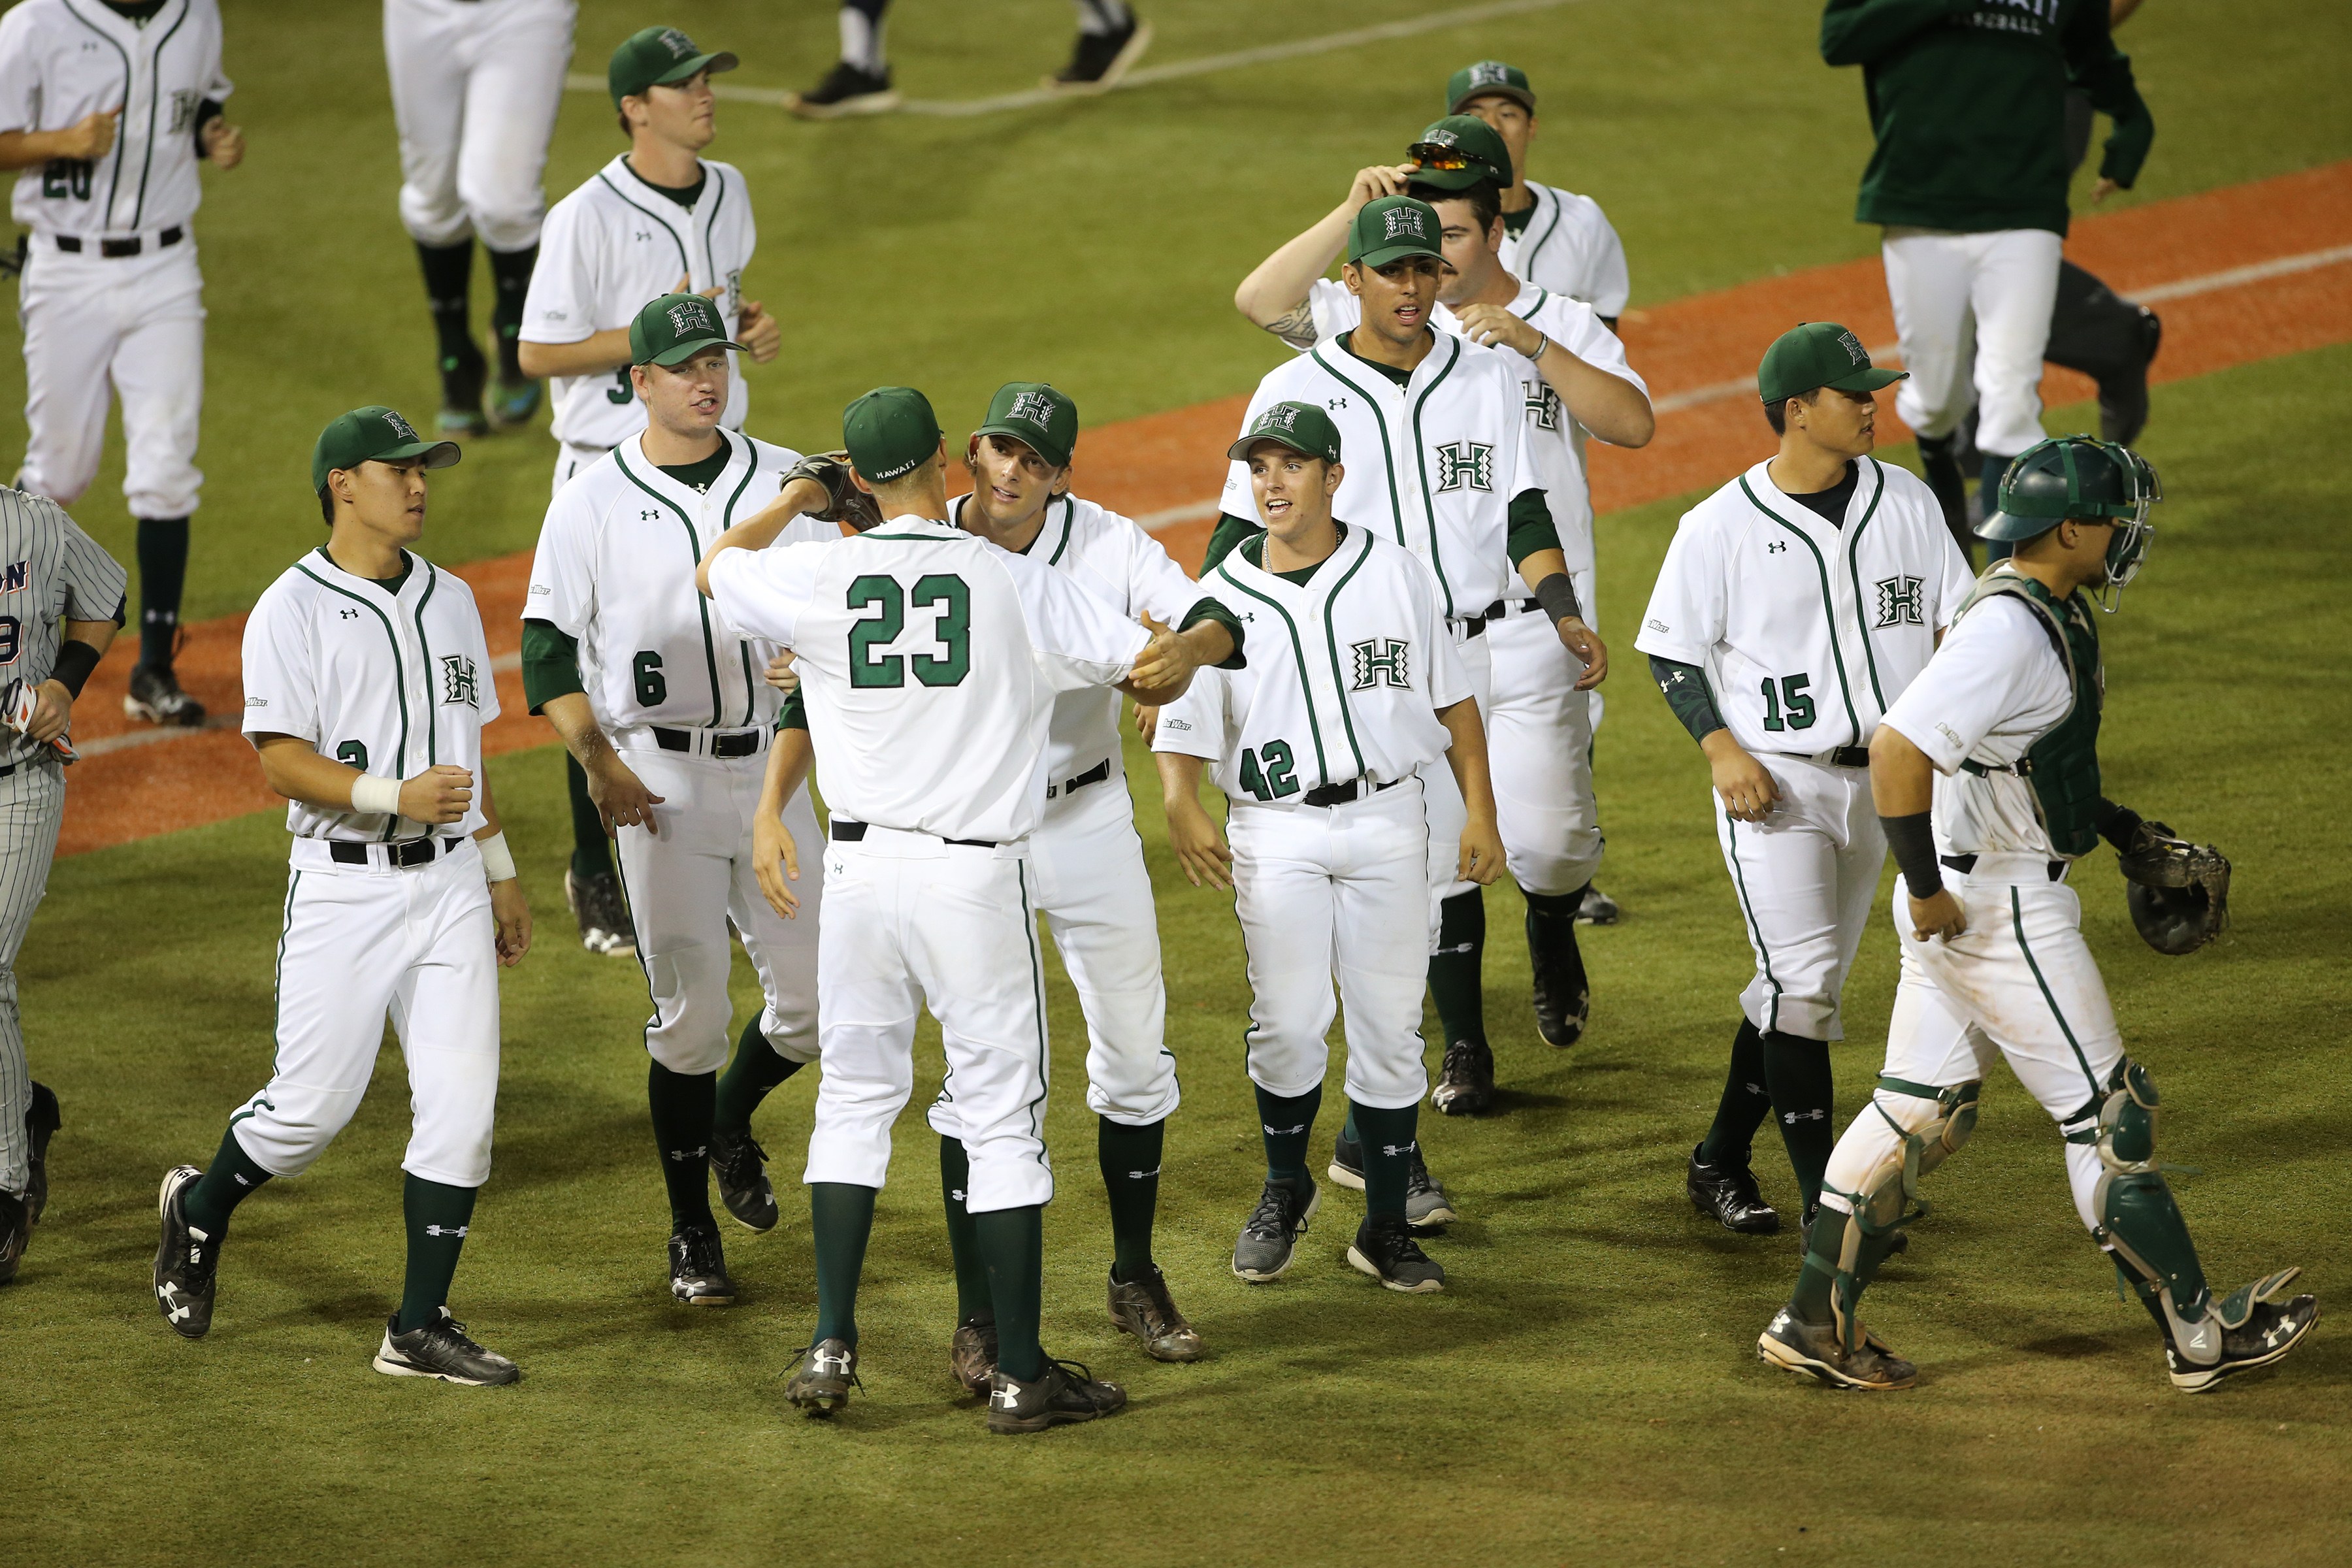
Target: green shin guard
x=974, y=1303
x=1849, y=1247
x=2140, y=1222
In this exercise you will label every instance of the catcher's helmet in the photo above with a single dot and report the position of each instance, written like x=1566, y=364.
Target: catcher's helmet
x=2077, y=477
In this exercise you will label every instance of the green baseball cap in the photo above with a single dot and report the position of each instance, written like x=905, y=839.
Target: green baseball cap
x=1815, y=354
x=1038, y=416
x=1487, y=77
x=890, y=432
x=658, y=56
x=675, y=328
x=373, y=435
x=1303, y=428
x=1392, y=228
x=1457, y=152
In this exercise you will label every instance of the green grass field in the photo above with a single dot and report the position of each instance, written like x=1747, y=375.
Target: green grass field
x=1588, y=1382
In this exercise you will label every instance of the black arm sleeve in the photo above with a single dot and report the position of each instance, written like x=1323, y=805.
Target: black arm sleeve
x=207, y=111
x=1229, y=533
x=1210, y=610
x=74, y=662
x=1688, y=694
x=1912, y=841
x=2117, y=824
x=550, y=663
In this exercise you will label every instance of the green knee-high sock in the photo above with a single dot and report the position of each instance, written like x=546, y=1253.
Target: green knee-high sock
x=682, y=1105
x=841, y=1218
x=974, y=1303
x=1386, y=1141
x=162, y=575
x=592, y=852
x=438, y=1215
x=1745, y=1104
x=1455, y=967
x=1797, y=1071
x=756, y=1069
x=1816, y=1283
x=229, y=1181
x=1130, y=1157
x=1286, y=1120
x=1013, y=1241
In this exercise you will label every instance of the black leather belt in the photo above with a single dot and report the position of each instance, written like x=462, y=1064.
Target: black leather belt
x=115, y=249
x=406, y=854
x=1850, y=756
x=847, y=832
x=1965, y=864
x=1099, y=773
x=1475, y=625
x=11, y=768
x=1341, y=793
x=740, y=744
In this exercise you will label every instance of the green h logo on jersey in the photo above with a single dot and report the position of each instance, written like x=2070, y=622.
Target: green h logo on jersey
x=1462, y=464
x=1381, y=661
x=1901, y=602
x=457, y=682
x=1543, y=404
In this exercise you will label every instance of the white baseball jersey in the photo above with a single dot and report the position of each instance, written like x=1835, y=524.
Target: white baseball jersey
x=1432, y=464
x=63, y=60
x=475, y=87
x=614, y=570
x=931, y=661
x=608, y=248
x=388, y=683
x=1807, y=631
x=1555, y=438
x=1568, y=247
x=1346, y=673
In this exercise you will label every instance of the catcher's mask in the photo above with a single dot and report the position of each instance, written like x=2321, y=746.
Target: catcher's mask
x=2077, y=477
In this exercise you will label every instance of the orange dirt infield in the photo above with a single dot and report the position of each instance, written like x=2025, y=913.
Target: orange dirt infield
x=2188, y=254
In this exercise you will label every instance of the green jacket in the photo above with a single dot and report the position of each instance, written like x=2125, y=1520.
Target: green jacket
x=1968, y=103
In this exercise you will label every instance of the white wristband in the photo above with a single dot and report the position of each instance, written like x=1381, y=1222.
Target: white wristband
x=373, y=796
x=497, y=861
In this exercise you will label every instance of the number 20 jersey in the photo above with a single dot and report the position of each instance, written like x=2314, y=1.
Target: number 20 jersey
x=929, y=660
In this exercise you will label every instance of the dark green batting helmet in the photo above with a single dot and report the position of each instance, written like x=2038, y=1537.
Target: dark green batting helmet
x=2086, y=479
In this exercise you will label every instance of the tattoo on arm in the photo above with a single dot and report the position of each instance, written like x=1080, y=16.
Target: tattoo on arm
x=1295, y=326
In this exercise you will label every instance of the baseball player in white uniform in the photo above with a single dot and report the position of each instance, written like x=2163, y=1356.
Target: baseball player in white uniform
x=664, y=706
x=658, y=220
x=1794, y=605
x=107, y=106
x=474, y=88
x=1322, y=755
x=1553, y=239
x=1572, y=375
x=1986, y=769
x=1446, y=469
x=929, y=662
x=367, y=687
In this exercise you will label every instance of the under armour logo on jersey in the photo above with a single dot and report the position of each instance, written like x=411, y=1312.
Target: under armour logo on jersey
x=16, y=577
x=1775, y=547
x=458, y=683
x=1381, y=661
x=456, y=1230
x=648, y=517
x=347, y=615
x=1335, y=404
x=1465, y=463
x=1543, y=404
x=1901, y=602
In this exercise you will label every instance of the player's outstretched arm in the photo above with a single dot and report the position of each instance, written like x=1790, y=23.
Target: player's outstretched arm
x=1610, y=406
x=759, y=530
x=1200, y=851
x=1165, y=668
x=775, y=856
x=598, y=353
x=1273, y=296
x=622, y=798
x=510, y=913
x=1482, y=842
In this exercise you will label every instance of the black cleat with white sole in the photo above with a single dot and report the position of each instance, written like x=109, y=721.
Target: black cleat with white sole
x=41, y=1120
x=442, y=1349
x=596, y=902
x=2268, y=1330
x=1098, y=60
x=845, y=91
x=1385, y=1250
x=822, y=1377
x=185, y=1259
x=1065, y=1391
x=15, y=1232
x=1814, y=1351
x=1466, y=1079
x=1728, y=1195
x=698, y=1268
x=740, y=1166
x=156, y=696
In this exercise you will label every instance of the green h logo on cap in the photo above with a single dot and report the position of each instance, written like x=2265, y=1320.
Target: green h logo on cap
x=671, y=330
x=658, y=56
x=889, y=433
x=374, y=433
x=1488, y=78
x=1817, y=354
x=1037, y=415
x=1303, y=428
x=1392, y=228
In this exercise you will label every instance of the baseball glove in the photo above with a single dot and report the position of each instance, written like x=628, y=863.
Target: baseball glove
x=844, y=502
x=2178, y=892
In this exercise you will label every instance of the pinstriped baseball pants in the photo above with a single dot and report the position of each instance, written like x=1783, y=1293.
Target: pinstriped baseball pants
x=32, y=803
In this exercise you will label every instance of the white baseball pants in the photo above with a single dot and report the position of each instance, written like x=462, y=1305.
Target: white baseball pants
x=130, y=325
x=1972, y=314
x=32, y=805
x=360, y=942
x=1327, y=892
x=913, y=922
x=1539, y=748
x=1805, y=878
x=474, y=88
x=689, y=876
x=2019, y=984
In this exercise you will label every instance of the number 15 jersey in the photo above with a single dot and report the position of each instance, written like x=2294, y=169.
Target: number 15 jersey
x=929, y=660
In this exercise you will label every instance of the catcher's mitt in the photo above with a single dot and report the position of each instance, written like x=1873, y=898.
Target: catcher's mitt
x=844, y=502
x=2178, y=892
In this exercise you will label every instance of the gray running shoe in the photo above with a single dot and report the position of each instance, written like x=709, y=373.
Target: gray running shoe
x=1812, y=1350
x=1428, y=1208
x=441, y=1349
x=1268, y=1240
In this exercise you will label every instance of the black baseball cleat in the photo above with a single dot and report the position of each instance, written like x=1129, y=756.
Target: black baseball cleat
x=41, y=1120
x=1066, y=1391
x=845, y=91
x=1597, y=909
x=2123, y=399
x=1143, y=1308
x=698, y=1268
x=1466, y=1081
x=1562, y=996
x=442, y=1349
x=1428, y=1208
x=1270, y=1237
x=2267, y=1329
x=822, y=1377
x=155, y=697
x=971, y=1354
x=1728, y=1195
x=1098, y=60
x=1814, y=1351
x=740, y=1165
x=15, y=1232
x=1385, y=1250
x=462, y=378
x=185, y=1259
x=603, y=915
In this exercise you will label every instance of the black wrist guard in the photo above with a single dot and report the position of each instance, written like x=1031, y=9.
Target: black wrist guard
x=1912, y=841
x=1556, y=595
x=74, y=662
x=2117, y=825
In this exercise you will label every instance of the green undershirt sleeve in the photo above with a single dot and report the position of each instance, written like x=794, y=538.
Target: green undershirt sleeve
x=793, y=714
x=1531, y=526
x=550, y=663
x=1688, y=694
x=1230, y=531
x=1210, y=610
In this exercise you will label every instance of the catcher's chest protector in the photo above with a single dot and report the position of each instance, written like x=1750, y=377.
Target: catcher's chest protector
x=2063, y=767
